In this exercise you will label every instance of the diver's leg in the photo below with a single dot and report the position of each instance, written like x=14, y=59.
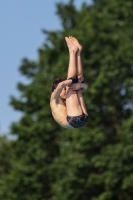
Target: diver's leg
x=72, y=101
x=78, y=55
x=72, y=67
x=81, y=101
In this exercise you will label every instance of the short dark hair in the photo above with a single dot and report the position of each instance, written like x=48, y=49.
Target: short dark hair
x=55, y=82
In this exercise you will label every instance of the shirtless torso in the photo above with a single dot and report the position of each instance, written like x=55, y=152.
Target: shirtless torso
x=59, y=111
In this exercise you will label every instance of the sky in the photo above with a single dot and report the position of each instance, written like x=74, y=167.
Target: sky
x=21, y=25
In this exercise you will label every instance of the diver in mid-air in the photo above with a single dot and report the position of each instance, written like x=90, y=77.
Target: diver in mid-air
x=66, y=102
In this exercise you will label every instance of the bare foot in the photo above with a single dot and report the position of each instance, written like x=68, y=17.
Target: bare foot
x=75, y=42
x=71, y=46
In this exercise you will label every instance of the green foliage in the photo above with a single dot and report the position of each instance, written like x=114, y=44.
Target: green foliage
x=94, y=162
x=6, y=159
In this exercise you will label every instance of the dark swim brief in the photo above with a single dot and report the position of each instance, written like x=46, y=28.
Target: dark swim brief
x=77, y=121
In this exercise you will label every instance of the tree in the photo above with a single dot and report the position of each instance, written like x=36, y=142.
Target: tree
x=94, y=162
x=6, y=159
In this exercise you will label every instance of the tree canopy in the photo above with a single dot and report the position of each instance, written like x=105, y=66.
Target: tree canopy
x=93, y=162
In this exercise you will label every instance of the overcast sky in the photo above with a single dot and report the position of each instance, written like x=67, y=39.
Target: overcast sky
x=21, y=24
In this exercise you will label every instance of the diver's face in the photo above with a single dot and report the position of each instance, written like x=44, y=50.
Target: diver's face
x=63, y=93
